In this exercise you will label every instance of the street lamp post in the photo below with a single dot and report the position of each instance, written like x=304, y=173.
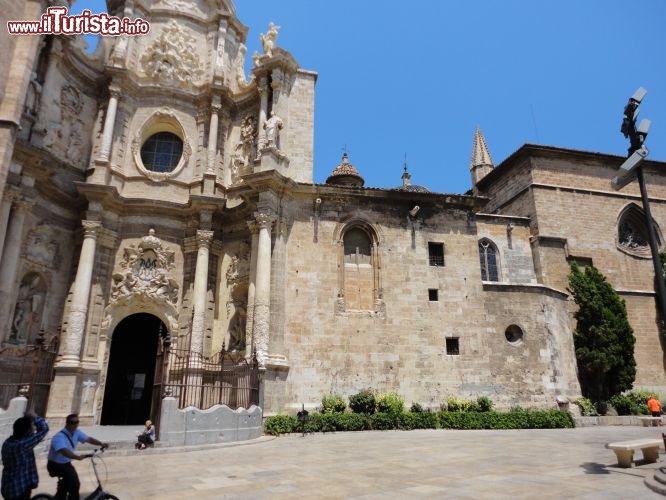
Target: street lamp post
x=632, y=168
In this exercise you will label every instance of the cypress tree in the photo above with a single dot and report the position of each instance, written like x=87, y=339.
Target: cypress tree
x=603, y=339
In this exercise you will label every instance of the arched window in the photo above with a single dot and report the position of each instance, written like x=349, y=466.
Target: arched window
x=360, y=273
x=488, y=260
x=632, y=232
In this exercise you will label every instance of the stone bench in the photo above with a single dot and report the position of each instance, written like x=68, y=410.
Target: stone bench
x=650, y=421
x=624, y=450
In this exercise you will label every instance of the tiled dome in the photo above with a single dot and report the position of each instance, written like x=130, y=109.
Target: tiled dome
x=345, y=174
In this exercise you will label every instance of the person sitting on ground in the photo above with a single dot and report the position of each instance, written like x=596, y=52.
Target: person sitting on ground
x=654, y=406
x=147, y=437
x=19, y=469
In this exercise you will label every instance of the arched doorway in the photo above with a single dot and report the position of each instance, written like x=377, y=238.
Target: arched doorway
x=131, y=371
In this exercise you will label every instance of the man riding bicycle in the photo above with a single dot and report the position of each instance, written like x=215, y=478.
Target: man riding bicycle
x=61, y=454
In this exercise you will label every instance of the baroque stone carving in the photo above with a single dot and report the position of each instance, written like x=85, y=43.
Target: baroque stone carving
x=28, y=310
x=269, y=39
x=172, y=57
x=244, y=150
x=146, y=271
x=43, y=248
x=272, y=128
x=239, y=65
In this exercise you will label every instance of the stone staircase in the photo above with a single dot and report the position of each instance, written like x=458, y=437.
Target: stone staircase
x=657, y=483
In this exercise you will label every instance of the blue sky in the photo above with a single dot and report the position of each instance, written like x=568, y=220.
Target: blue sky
x=417, y=77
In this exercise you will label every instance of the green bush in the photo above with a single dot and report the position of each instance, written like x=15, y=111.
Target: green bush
x=281, y=424
x=333, y=403
x=587, y=408
x=364, y=402
x=329, y=422
x=416, y=408
x=390, y=403
x=455, y=404
x=484, y=403
x=383, y=421
x=632, y=403
x=352, y=422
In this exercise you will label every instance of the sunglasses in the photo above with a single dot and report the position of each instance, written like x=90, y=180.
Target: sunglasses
x=72, y=422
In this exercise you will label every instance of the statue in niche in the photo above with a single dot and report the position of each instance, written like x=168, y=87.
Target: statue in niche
x=33, y=95
x=237, y=330
x=28, y=309
x=243, y=151
x=272, y=127
x=268, y=40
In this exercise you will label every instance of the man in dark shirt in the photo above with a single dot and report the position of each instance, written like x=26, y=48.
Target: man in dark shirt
x=19, y=472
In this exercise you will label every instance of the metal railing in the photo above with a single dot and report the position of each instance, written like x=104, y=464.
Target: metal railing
x=27, y=371
x=225, y=378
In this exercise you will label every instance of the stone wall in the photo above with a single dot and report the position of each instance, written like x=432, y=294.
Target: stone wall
x=219, y=424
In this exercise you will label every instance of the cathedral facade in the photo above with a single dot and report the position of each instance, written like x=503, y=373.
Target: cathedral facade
x=153, y=190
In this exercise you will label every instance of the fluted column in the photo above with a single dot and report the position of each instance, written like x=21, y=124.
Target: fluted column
x=249, y=339
x=262, y=297
x=109, y=124
x=204, y=239
x=10, y=261
x=212, y=134
x=70, y=347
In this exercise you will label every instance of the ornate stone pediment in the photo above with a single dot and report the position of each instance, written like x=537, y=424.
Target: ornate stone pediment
x=172, y=57
x=145, y=272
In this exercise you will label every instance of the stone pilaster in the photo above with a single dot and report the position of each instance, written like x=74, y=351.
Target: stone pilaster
x=212, y=134
x=204, y=240
x=5, y=209
x=70, y=346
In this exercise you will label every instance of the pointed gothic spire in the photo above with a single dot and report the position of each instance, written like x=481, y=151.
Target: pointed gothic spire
x=480, y=154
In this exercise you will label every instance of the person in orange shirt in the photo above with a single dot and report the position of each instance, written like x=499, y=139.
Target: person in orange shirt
x=654, y=406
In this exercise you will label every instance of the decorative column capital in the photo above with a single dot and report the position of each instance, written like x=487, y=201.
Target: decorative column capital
x=215, y=104
x=115, y=91
x=23, y=204
x=264, y=220
x=253, y=226
x=90, y=228
x=204, y=238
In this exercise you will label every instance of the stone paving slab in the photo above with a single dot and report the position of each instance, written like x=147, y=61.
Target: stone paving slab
x=516, y=464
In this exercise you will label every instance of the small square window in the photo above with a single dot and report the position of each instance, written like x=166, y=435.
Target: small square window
x=433, y=294
x=452, y=346
x=436, y=254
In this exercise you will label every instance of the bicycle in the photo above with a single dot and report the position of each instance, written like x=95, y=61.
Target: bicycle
x=98, y=494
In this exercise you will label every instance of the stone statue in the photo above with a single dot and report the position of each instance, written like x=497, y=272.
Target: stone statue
x=28, y=309
x=237, y=330
x=272, y=127
x=268, y=40
x=33, y=95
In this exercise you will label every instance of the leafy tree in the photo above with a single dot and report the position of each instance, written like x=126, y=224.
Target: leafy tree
x=604, y=339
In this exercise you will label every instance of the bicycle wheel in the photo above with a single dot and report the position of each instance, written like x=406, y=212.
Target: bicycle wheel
x=42, y=496
x=108, y=496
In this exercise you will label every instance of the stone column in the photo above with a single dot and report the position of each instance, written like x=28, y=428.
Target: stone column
x=204, y=240
x=262, y=297
x=10, y=262
x=5, y=210
x=212, y=134
x=249, y=339
x=109, y=124
x=70, y=345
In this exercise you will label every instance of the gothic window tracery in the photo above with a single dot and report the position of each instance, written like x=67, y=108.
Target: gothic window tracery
x=488, y=260
x=632, y=232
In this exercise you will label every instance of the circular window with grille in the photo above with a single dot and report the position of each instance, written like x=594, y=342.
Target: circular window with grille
x=160, y=147
x=162, y=152
x=514, y=335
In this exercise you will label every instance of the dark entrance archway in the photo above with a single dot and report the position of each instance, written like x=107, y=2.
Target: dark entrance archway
x=131, y=372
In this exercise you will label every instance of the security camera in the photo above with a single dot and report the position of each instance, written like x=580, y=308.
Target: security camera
x=414, y=211
x=318, y=201
x=639, y=95
x=510, y=226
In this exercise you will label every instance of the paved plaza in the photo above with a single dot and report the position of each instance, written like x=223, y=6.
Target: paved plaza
x=557, y=463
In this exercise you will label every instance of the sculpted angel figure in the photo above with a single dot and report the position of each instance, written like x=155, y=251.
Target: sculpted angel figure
x=268, y=40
